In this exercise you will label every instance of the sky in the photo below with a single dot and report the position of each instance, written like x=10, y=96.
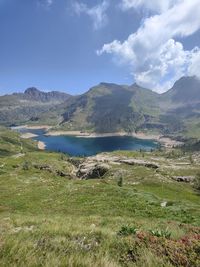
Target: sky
x=70, y=45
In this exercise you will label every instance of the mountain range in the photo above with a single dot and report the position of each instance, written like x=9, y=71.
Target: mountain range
x=110, y=107
x=29, y=106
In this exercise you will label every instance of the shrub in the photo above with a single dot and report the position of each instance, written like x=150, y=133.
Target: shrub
x=161, y=233
x=127, y=230
x=120, y=182
x=26, y=166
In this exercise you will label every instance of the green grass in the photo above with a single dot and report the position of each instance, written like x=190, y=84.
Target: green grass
x=48, y=220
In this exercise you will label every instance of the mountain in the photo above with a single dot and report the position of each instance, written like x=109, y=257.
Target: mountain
x=30, y=106
x=110, y=107
x=181, y=106
x=185, y=91
x=34, y=94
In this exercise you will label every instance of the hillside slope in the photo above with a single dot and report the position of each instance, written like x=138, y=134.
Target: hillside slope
x=49, y=218
x=110, y=108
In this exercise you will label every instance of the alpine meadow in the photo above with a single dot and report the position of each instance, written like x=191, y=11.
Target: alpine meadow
x=100, y=133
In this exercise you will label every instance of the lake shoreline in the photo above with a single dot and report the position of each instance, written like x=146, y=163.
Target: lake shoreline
x=166, y=142
x=28, y=135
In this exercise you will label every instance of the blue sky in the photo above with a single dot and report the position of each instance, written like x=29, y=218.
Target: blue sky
x=72, y=45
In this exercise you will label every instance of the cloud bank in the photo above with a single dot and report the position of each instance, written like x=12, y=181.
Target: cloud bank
x=153, y=55
x=153, y=5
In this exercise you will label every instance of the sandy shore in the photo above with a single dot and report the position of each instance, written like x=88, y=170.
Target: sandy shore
x=41, y=145
x=73, y=133
x=33, y=127
x=85, y=134
x=28, y=135
x=168, y=142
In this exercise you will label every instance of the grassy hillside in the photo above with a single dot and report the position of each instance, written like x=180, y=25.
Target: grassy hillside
x=11, y=143
x=120, y=220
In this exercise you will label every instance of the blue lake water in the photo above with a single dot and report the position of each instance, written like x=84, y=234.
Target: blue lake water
x=80, y=146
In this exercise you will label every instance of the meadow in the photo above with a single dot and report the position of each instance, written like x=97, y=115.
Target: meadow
x=132, y=216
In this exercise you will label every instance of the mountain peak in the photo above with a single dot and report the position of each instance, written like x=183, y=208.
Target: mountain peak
x=32, y=91
x=34, y=94
x=185, y=90
x=106, y=84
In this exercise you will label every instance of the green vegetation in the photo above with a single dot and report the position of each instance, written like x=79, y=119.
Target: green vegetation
x=47, y=219
x=127, y=230
x=161, y=233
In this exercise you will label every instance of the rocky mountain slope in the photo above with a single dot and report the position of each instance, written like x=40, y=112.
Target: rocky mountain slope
x=181, y=106
x=110, y=108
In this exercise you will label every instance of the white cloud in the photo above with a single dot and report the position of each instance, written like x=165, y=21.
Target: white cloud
x=153, y=5
x=194, y=67
x=155, y=58
x=96, y=13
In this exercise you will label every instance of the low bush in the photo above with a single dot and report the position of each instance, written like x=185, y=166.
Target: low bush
x=127, y=230
x=161, y=233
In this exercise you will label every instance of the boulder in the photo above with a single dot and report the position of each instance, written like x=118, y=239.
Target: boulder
x=184, y=179
x=140, y=163
x=44, y=167
x=75, y=161
x=92, y=170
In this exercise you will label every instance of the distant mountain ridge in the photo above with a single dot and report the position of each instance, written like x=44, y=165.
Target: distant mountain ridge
x=110, y=107
x=29, y=106
x=34, y=94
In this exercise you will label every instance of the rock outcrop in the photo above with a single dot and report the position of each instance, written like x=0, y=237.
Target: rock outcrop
x=97, y=166
x=92, y=170
x=184, y=179
x=138, y=162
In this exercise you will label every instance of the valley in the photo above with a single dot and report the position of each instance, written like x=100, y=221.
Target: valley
x=99, y=133
x=125, y=208
x=109, y=178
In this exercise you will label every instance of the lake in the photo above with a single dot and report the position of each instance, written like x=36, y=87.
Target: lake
x=81, y=146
